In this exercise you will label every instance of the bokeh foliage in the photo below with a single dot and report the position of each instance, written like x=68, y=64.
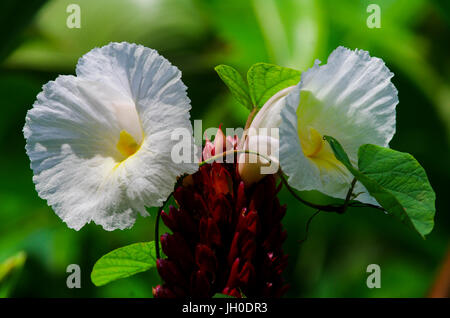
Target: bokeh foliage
x=197, y=35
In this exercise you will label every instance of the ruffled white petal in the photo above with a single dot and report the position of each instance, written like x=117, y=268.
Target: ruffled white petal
x=74, y=127
x=292, y=160
x=350, y=98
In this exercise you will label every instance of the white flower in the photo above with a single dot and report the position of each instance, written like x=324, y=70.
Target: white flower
x=352, y=99
x=262, y=137
x=100, y=142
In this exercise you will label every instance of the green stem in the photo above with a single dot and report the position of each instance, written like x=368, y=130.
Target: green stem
x=250, y=118
x=341, y=208
x=349, y=194
x=326, y=208
x=308, y=223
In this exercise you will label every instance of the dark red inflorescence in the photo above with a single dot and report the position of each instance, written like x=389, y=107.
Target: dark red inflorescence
x=226, y=238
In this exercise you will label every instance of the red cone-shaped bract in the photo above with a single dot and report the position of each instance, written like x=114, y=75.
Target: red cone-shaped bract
x=226, y=238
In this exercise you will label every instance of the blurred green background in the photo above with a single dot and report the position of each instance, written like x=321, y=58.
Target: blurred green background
x=196, y=35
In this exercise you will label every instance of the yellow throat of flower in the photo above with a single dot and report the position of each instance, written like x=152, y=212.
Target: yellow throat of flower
x=317, y=150
x=311, y=140
x=312, y=144
x=127, y=145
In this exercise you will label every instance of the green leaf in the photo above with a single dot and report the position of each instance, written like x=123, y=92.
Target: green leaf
x=124, y=262
x=339, y=152
x=265, y=80
x=396, y=180
x=218, y=295
x=236, y=84
x=9, y=273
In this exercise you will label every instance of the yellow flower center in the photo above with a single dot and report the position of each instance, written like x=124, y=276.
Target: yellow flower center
x=312, y=144
x=127, y=146
x=314, y=147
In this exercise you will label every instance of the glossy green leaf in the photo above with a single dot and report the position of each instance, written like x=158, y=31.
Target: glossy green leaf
x=124, y=262
x=396, y=180
x=265, y=80
x=234, y=81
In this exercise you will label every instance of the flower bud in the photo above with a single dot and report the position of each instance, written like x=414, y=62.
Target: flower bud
x=253, y=167
x=262, y=137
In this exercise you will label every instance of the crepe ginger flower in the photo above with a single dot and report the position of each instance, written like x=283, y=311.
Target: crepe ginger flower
x=226, y=238
x=100, y=142
x=352, y=99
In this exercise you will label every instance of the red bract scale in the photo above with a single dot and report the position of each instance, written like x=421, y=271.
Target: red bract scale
x=225, y=238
